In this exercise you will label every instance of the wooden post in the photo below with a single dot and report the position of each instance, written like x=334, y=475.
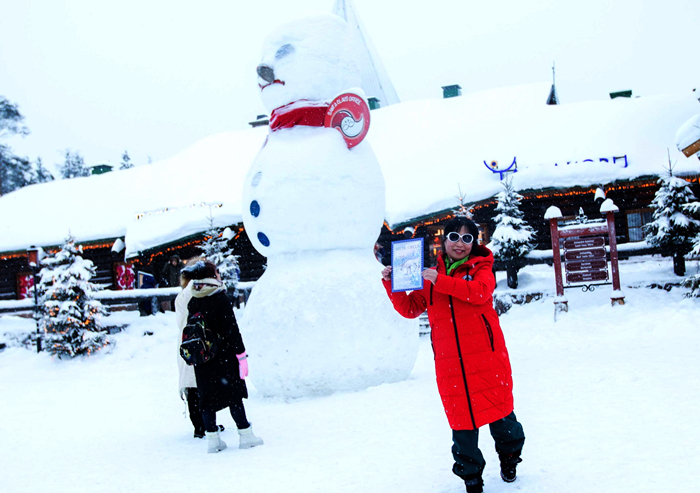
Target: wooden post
x=560, y=303
x=617, y=298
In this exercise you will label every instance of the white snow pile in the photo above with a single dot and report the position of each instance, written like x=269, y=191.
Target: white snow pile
x=552, y=212
x=689, y=133
x=114, y=422
x=608, y=206
x=315, y=208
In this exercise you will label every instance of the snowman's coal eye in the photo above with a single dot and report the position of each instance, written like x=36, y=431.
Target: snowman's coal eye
x=284, y=51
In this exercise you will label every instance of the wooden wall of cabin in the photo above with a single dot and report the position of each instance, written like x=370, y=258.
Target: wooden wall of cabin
x=104, y=260
x=10, y=267
x=153, y=261
x=250, y=262
x=13, y=266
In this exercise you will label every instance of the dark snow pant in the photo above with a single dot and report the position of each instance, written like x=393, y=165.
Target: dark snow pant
x=195, y=411
x=237, y=413
x=469, y=461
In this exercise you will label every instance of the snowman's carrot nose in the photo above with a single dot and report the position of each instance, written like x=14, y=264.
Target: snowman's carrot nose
x=266, y=73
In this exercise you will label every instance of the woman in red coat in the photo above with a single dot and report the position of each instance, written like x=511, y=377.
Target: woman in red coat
x=471, y=360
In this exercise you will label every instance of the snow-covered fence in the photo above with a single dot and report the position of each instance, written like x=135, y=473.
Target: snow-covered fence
x=107, y=297
x=11, y=306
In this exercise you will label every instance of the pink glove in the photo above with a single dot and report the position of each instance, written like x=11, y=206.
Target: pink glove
x=242, y=365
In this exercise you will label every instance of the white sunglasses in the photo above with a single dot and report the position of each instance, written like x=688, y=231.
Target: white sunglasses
x=454, y=238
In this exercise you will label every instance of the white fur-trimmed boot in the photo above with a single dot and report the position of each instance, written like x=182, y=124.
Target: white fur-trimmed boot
x=214, y=442
x=248, y=438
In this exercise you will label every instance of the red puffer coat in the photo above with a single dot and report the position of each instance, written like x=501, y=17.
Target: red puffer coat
x=471, y=360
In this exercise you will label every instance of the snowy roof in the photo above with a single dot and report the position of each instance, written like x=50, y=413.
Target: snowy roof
x=173, y=195
x=427, y=149
x=375, y=79
x=689, y=133
x=430, y=149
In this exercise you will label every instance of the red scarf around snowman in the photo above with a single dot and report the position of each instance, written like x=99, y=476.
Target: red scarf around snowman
x=347, y=112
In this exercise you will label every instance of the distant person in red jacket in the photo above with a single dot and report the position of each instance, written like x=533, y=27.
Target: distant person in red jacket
x=471, y=360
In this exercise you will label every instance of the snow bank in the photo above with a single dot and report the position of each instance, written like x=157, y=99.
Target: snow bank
x=115, y=422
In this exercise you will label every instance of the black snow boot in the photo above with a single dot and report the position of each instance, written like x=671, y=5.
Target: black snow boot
x=474, y=485
x=200, y=433
x=508, y=464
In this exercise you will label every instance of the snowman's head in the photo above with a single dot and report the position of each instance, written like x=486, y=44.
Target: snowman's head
x=312, y=58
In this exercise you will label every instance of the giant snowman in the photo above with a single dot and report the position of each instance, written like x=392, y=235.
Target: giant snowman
x=318, y=320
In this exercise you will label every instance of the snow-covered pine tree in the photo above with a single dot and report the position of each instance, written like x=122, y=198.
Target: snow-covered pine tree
x=13, y=169
x=15, y=172
x=126, y=161
x=73, y=166
x=41, y=174
x=674, y=227
x=462, y=210
x=513, y=238
x=68, y=313
x=693, y=282
x=215, y=248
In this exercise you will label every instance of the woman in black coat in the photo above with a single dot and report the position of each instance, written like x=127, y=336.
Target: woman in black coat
x=221, y=381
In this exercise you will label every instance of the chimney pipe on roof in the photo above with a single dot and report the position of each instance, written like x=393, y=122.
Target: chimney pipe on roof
x=621, y=94
x=451, y=91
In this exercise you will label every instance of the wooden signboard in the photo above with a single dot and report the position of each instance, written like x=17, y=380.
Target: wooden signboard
x=585, y=256
x=598, y=264
x=588, y=276
x=588, y=254
x=577, y=243
x=585, y=260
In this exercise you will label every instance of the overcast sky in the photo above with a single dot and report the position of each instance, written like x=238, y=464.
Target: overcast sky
x=154, y=77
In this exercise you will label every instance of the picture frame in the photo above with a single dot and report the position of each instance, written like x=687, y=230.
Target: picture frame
x=407, y=263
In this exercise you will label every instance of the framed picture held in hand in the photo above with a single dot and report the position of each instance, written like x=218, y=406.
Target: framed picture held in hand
x=407, y=265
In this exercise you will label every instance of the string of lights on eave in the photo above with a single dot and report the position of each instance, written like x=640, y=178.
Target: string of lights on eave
x=555, y=193
x=55, y=248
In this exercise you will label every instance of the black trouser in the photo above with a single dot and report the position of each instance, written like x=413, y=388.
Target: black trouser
x=192, y=397
x=469, y=461
x=237, y=413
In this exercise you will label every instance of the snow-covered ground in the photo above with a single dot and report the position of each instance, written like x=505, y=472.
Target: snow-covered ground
x=607, y=396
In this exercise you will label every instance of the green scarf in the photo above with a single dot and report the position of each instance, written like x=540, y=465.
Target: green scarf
x=451, y=267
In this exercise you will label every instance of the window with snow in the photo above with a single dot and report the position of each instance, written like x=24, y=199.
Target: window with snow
x=636, y=221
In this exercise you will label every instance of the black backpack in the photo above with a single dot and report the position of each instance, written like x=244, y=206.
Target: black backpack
x=199, y=342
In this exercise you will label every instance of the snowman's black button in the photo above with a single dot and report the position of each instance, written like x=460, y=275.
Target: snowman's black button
x=262, y=238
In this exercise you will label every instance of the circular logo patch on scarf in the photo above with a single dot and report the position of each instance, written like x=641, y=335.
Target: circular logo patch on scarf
x=350, y=115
